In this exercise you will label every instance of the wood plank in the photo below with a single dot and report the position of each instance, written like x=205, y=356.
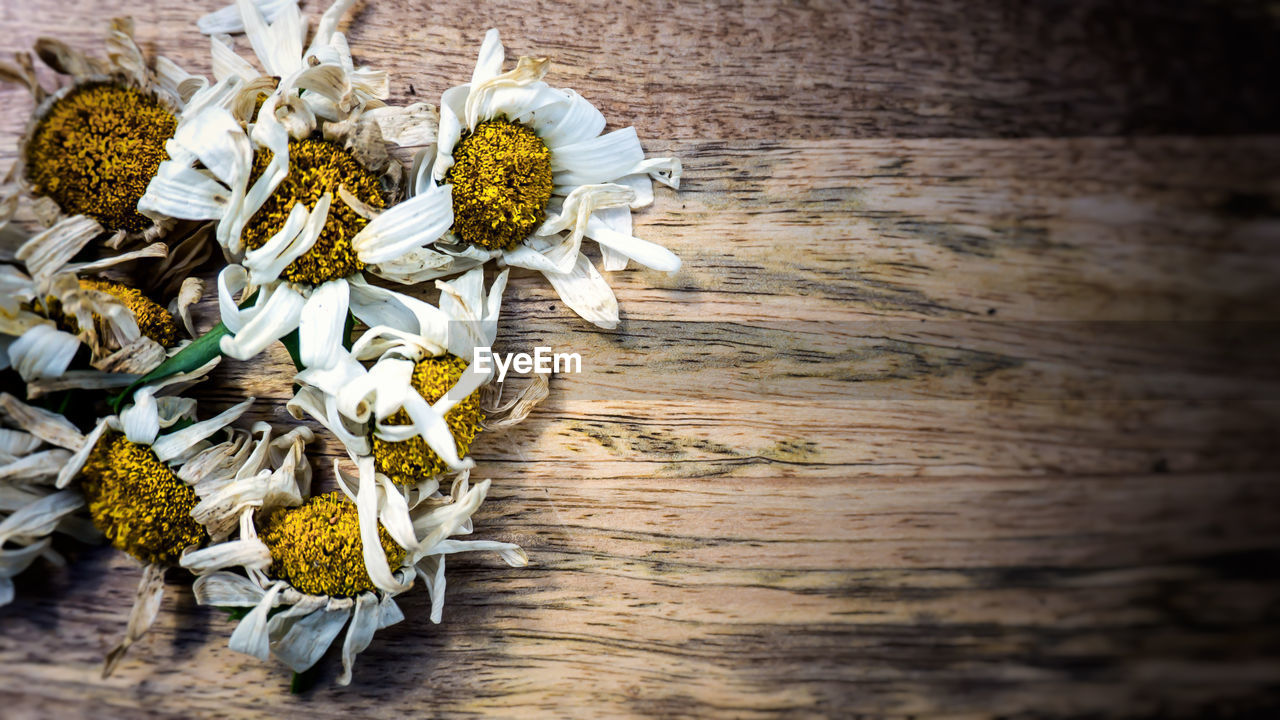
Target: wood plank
x=927, y=597
x=769, y=70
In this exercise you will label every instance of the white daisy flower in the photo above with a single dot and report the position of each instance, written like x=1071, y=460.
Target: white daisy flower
x=91, y=147
x=31, y=509
x=299, y=195
x=155, y=483
x=408, y=421
x=57, y=305
x=530, y=176
x=302, y=571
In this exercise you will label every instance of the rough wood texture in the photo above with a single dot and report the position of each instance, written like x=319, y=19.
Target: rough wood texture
x=926, y=426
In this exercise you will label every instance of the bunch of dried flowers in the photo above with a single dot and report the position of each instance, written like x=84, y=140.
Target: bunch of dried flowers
x=139, y=173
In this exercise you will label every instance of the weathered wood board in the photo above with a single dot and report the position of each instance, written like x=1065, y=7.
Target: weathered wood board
x=961, y=404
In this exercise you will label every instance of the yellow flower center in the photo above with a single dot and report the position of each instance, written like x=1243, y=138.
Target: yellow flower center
x=138, y=503
x=501, y=177
x=316, y=167
x=95, y=151
x=409, y=461
x=154, y=321
x=316, y=546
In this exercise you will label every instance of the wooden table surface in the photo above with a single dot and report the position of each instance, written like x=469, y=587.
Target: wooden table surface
x=964, y=402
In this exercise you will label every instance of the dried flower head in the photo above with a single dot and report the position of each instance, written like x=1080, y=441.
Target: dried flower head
x=409, y=461
x=138, y=502
x=92, y=146
x=316, y=168
x=95, y=149
x=316, y=547
x=501, y=177
x=530, y=176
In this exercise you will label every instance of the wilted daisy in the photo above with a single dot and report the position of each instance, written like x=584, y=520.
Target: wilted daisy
x=143, y=474
x=57, y=305
x=92, y=146
x=32, y=452
x=299, y=194
x=530, y=175
x=306, y=573
x=408, y=421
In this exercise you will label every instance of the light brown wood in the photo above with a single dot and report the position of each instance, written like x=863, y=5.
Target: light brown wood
x=964, y=424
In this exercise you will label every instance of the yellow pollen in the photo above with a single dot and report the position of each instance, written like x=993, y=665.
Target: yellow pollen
x=153, y=321
x=501, y=177
x=316, y=167
x=316, y=546
x=95, y=151
x=409, y=461
x=138, y=503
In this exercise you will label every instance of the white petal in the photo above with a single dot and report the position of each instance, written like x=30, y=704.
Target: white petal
x=146, y=606
x=327, y=27
x=224, y=589
x=364, y=622
x=642, y=184
x=418, y=221
x=227, y=64
x=559, y=256
x=430, y=425
x=665, y=170
x=379, y=391
x=395, y=514
x=389, y=612
x=489, y=62
x=642, y=251
x=421, y=265
x=13, y=562
x=452, y=111
x=324, y=410
x=278, y=45
x=300, y=641
x=216, y=138
x=618, y=220
x=586, y=291
x=511, y=554
x=48, y=426
x=17, y=443
x=376, y=306
x=431, y=570
x=227, y=19
x=237, y=553
x=275, y=315
x=322, y=327
x=43, y=352
x=141, y=420
x=410, y=126
x=77, y=461
x=298, y=235
x=174, y=444
x=375, y=558
x=512, y=94
x=250, y=636
x=442, y=522
x=39, y=518
x=569, y=121
x=46, y=252
x=598, y=160
x=154, y=250
x=181, y=84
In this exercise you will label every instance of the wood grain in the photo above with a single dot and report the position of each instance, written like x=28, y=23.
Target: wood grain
x=947, y=412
